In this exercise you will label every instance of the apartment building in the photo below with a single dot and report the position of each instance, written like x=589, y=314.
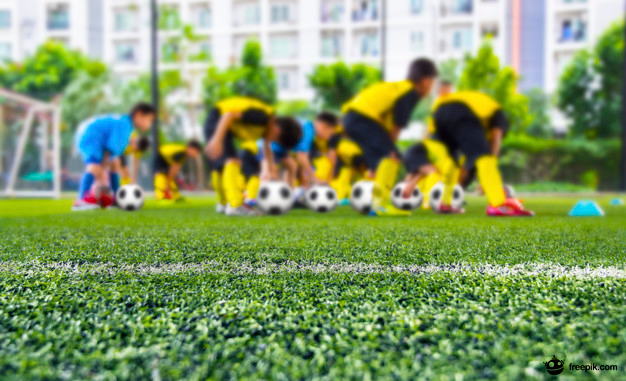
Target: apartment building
x=537, y=37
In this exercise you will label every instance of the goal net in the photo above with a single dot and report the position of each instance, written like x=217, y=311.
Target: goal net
x=30, y=147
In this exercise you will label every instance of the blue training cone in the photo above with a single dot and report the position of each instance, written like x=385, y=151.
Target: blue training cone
x=586, y=208
x=617, y=202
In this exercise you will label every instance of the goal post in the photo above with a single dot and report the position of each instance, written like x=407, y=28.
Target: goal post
x=29, y=124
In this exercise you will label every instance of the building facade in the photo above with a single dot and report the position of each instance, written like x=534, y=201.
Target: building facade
x=536, y=37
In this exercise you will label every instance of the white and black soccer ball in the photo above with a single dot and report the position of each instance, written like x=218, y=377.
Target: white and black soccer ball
x=321, y=199
x=362, y=196
x=130, y=197
x=411, y=203
x=275, y=198
x=436, y=195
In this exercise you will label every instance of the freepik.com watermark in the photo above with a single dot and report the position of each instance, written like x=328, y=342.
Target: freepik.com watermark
x=592, y=367
x=555, y=366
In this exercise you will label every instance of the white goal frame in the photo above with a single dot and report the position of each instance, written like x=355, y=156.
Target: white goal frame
x=35, y=107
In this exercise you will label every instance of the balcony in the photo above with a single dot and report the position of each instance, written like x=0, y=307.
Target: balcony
x=332, y=12
x=365, y=10
x=58, y=18
x=456, y=8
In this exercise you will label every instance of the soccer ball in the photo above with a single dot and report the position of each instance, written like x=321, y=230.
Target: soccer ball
x=362, y=196
x=130, y=197
x=436, y=194
x=275, y=198
x=411, y=203
x=321, y=199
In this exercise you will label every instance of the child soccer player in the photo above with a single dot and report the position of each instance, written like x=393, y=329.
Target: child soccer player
x=136, y=148
x=168, y=164
x=101, y=141
x=373, y=120
x=472, y=124
x=246, y=120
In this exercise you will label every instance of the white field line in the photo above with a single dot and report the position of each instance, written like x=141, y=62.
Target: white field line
x=264, y=268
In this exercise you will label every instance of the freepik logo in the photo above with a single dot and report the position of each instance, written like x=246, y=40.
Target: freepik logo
x=556, y=366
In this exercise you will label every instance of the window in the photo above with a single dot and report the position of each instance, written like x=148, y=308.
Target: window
x=489, y=31
x=169, y=18
x=332, y=44
x=332, y=11
x=456, y=7
x=365, y=10
x=5, y=51
x=280, y=13
x=282, y=47
x=573, y=30
x=169, y=52
x=286, y=79
x=247, y=13
x=366, y=44
x=462, y=39
x=58, y=17
x=417, y=41
x=203, y=16
x=125, y=20
x=5, y=19
x=201, y=51
x=417, y=6
x=125, y=52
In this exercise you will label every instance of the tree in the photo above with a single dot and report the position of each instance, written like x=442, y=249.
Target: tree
x=250, y=78
x=47, y=72
x=538, y=105
x=484, y=73
x=337, y=83
x=590, y=88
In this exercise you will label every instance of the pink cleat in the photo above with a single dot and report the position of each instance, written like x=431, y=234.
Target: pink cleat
x=511, y=208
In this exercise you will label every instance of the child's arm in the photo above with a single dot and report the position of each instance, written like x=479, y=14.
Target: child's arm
x=268, y=157
x=171, y=175
x=302, y=159
x=496, y=141
x=215, y=148
x=411, y=182
x=291, y=168
x=135, y=173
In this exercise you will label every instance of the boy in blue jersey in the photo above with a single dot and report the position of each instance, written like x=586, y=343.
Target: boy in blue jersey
x=317, y=139
x=100, y=141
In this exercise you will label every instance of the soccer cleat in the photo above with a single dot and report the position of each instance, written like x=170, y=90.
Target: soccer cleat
x=344, y=202
x=511, y=208
x=447, y=209
x=389, y=210
x=220, y=208
x=84, y=205
x=250, y=202
x=243, y=211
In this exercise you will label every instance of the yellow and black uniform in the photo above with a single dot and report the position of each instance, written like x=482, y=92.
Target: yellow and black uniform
x=130, y=150
x=252, y=125
x=168, y=154
x=463, y=122
x=371, y=116
x=227, y=178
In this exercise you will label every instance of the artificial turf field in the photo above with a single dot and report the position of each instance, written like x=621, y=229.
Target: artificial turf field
x=181, y=292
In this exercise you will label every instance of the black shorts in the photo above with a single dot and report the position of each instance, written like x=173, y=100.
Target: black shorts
x=161, y=165
x=373, y=139
x=250, y=164
x=415, y=158
x=461, y=132
x=229, y=150
x=123, y=161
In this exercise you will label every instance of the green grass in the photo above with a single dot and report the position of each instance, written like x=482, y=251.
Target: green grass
x=232, y=323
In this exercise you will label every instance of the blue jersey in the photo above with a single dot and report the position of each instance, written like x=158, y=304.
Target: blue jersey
x=304, y=145
x=110, y=133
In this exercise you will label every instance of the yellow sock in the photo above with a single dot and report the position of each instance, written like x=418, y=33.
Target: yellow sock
x=490, y=179
x=426, y=184
x=386, y=175
x=125, y=181
x=231, y=180
x=216, y=181
x=341, y=184
x=323, y=168
x=252, y=187
x=160, y=181
x=450, y=180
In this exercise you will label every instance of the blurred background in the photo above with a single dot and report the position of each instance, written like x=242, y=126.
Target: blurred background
x=556, y=66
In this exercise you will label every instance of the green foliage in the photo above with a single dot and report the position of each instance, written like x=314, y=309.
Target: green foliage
x=184, y=293
x=297, y=108
x=169, y=18
x=46, y=73
x=590, y=88
x=337, y=83
x=526, y=159
x=250, y=78
x=538, y=107
x=484, y=73
x=449, y=71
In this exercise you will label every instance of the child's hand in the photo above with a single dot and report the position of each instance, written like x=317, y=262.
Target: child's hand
x=411, y=183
